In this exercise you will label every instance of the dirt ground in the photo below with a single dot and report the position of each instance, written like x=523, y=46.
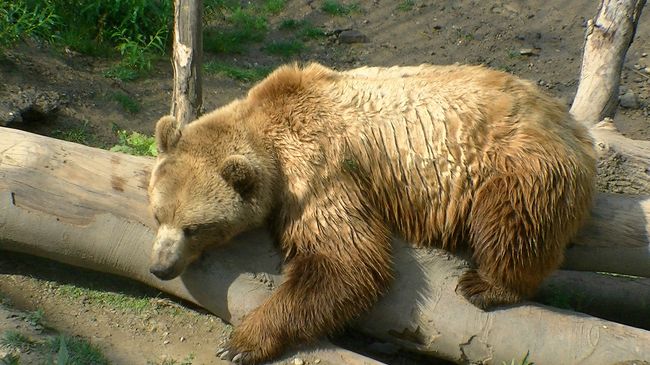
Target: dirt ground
x=538, y=40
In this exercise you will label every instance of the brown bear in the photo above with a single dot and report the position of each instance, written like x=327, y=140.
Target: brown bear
x=334, y=162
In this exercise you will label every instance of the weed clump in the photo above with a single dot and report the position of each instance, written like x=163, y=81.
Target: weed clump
x=135, y=144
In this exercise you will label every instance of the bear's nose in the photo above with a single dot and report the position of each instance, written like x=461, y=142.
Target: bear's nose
x=162, y=272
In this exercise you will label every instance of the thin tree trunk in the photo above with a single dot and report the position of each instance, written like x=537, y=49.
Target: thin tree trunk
x=88, y=207
x=623, y=165
x=608, y=37
x=187, y=100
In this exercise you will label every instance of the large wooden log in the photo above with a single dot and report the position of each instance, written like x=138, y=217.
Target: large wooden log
x=88, y=207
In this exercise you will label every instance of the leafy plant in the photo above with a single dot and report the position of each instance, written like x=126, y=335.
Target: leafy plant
x=18, y=20
x=35, y=318
x=136, y=29
x=135, y=144
x=137, y=53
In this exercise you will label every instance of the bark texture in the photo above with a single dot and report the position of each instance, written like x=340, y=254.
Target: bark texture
x=608, y=38
x=187, y=101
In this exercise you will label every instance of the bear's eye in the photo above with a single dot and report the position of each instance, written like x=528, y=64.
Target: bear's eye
x=190, y=231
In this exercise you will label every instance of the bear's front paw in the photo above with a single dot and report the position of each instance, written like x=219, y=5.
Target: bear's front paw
x=483, y=294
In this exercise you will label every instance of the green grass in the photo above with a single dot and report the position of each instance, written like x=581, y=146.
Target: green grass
x=126, y=102
x=4, y=300
x=14, y=340
x=513, y=53
x=114, y=300
x=406, y=5
x=292, y=24
x=77, y=351
x=237, y=73
x=79, y=134
x=304, y=29
x=337, y=8
x=523, y=361
x=121, y=72
x=243, y=27
x=10, y=359
x=274, y=6
x=285, y=48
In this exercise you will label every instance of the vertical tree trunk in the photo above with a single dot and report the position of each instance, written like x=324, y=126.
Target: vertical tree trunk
x=187, y=100
x=608, y=37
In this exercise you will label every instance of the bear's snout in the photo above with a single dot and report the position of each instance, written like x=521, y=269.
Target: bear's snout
x=163, y=272
x=170, y=254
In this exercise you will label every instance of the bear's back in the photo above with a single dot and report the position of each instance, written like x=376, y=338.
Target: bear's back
x=426, y=138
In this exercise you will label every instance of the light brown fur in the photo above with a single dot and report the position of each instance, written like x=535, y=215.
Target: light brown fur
x=442, y=155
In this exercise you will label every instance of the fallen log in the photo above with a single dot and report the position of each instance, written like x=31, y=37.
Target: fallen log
x=88, y=207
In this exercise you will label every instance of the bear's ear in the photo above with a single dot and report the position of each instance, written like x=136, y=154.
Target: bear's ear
x=240, y=173
x=167, y=134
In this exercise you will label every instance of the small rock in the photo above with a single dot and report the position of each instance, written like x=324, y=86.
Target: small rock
x=182, y=339
x=529, y=51
x=644, y=54
x=298, y=361
x=166, y=342
x=352, y=36
x=629, y=100
x=497, y=9
x=317, y=361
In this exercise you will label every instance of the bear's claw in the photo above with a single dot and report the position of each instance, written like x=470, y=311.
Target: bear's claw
x=242, y=358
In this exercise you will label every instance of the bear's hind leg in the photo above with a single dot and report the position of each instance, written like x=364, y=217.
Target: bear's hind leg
x=515, y=239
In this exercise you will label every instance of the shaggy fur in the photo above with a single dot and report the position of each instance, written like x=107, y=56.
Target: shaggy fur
x=335, y=161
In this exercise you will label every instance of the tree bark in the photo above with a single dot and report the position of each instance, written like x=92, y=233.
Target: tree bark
x=608, y=38
x=88, y=207
x=623, y=165
x=187, y=100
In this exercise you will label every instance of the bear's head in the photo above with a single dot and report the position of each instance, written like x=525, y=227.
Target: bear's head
x=211, y=181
